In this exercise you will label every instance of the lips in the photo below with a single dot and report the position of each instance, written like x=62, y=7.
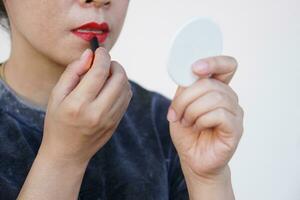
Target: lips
x=89, y=30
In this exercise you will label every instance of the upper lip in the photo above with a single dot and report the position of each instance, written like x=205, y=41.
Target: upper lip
x=94, y=26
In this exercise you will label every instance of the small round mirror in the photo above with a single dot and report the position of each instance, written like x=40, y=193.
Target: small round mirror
x=198, y=38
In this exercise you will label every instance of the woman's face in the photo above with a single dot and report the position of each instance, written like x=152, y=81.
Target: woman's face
x=46, y=25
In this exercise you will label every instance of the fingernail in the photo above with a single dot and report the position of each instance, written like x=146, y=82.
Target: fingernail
x=84, y=54
x=201, y=67
x=171, y=115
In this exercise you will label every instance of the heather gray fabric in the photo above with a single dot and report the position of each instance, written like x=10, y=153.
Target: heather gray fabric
x=138, y=162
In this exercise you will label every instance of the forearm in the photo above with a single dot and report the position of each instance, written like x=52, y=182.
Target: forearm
x=210, y=189
x=50, y=178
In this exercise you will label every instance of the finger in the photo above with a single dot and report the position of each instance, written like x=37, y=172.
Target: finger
x=206, y=103
x=71, y=76
x=114, y=86
x=109, y=113
x=93, y=81
x=219, y=118
x=120, y=107
x=221, y=68
x=117, y=114
x=121, y=102
x=179, y=90
x=186, y=96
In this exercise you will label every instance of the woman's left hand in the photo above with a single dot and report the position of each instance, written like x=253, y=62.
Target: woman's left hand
x=208, y=119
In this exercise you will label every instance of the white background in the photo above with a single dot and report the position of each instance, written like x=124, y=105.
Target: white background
x=264, y=36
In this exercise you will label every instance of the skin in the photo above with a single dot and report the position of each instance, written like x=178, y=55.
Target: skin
x=206, y=128
x=54, y=71
x=42, y=58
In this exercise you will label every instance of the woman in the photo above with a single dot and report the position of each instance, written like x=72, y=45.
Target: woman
x=73, y=126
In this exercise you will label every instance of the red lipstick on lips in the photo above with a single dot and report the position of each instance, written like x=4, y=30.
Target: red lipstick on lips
x=92, y=29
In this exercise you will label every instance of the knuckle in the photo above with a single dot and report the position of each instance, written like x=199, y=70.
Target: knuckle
x=108, y=124
x=93, y=121
x=174, y=106
x=121, y=78
x=231, y=94
x=73, y=110
x=208, y=83
x=179, y=104
x=93, y=116
x=212, y=61
x=218, y=97
x=199, y=122
x=222, y=113
x=188, y=115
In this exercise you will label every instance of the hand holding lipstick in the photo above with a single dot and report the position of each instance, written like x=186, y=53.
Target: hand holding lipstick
x=206, y=124
x=85, y=108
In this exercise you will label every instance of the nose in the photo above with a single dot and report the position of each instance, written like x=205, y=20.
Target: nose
x=97, y=3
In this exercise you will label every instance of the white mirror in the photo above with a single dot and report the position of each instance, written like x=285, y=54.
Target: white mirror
x=198, y=38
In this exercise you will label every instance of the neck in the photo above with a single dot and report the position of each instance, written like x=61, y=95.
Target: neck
x=30, y=74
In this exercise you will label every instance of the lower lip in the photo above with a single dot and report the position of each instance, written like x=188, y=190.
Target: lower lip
x=88, y=36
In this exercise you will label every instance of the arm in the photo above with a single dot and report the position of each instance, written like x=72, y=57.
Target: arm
x=51, y=178
x=84, y=110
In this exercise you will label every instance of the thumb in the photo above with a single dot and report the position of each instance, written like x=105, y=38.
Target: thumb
x=72, y=75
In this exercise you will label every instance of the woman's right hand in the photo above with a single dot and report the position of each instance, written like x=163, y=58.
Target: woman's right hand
x=85, y=107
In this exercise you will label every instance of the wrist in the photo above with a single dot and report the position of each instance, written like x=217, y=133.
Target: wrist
x=59, y=161
x=223, y=176
x=52, y=177
x=209, y=186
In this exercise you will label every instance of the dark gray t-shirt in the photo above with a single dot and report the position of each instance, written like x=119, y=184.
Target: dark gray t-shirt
x=138, y=162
